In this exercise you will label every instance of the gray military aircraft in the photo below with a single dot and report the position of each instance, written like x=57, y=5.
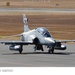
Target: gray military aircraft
x=38, y=37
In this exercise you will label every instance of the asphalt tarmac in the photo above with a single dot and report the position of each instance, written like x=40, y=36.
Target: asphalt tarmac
x=29, y=58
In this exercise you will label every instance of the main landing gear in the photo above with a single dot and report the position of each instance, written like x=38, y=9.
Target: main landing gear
x=21, y=49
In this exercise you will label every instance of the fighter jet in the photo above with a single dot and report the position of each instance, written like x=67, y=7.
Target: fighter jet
x=37, y=37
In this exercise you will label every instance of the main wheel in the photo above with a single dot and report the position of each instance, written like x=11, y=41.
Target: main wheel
x=20, y=51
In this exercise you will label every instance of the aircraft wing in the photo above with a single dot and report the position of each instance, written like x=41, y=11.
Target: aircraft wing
x=16, y=42
x=65, y=41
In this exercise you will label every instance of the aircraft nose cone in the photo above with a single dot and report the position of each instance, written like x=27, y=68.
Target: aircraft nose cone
x=50, y=40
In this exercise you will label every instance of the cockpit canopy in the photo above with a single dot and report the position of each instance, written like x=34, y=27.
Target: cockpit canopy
x=44, y=32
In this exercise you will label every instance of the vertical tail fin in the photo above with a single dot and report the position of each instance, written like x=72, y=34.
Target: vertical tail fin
x=25, y=21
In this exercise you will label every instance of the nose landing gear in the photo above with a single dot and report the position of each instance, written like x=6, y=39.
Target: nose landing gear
x=51, y=50
x=39, y=47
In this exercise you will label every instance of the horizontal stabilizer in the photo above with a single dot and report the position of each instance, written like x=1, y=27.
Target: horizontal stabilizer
x=65, y=41
x=16, y=42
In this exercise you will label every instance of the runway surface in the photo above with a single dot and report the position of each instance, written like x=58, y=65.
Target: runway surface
x=37, y=10
x=29, y=58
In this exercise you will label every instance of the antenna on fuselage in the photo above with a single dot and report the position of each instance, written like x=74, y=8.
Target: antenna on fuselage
x=25, y=21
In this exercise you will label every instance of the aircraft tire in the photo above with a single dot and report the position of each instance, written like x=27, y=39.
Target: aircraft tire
x=20, y=51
